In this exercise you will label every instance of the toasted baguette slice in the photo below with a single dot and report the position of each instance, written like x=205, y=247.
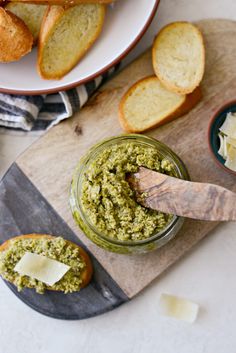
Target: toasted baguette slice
x=64, y=2
x=31, y=14
x=148, y=104
x=16, y=39
x=65, y=37
x=85, y=275
x=179, y=57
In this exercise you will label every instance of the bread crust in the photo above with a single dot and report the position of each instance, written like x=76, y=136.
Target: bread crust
x=16, y=39
x=86, y=274
x=169, y=85
x=189, y=103
x=65, y=2
x=50, y=19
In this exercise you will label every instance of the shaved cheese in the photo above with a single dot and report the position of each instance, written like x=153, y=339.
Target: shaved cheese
x=231, y=141
x=231, y=158
x=231, y=164
x=227, y=138
x=41, y=268
x=231, y=152
x=225, y=148
x=221, y=149
x=224, y=145
x=229, y=126
x=178, y=308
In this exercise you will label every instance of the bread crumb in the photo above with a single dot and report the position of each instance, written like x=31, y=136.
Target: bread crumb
x=78, y=130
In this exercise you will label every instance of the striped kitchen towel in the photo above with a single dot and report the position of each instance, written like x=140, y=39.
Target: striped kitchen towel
x=38, y=113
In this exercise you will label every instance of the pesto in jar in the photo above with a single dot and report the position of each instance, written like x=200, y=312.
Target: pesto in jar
x=54, y=248
x=109, y=203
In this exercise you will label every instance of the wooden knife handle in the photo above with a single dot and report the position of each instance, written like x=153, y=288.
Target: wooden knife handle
x=184, y=198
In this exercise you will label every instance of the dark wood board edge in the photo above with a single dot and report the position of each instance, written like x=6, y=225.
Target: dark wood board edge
x=24, y=210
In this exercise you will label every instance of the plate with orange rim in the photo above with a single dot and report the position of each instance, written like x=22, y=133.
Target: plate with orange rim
x=125, y=24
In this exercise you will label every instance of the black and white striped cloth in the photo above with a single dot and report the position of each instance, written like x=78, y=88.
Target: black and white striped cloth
x=38, y=113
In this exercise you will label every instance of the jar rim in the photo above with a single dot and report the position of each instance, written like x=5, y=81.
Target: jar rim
x=94, y=150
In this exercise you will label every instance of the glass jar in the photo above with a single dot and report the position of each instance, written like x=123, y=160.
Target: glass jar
x=132, y=246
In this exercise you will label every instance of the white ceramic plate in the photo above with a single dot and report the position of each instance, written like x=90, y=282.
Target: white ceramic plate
x=126, y=22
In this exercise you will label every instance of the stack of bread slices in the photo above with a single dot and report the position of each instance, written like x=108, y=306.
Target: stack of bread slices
x=63, y=33
x=178, y=58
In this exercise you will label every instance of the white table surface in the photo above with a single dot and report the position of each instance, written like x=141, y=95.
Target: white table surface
x=207, y=275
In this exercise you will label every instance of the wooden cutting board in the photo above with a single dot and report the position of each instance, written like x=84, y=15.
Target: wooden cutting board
x=34, y=192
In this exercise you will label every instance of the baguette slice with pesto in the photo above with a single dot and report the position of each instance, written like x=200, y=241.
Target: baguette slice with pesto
x=56, y=248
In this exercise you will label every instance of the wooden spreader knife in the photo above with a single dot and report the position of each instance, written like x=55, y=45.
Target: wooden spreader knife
x=183, y=198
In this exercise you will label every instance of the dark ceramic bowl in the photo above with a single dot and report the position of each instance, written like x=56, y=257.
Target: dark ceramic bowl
x=213, y=130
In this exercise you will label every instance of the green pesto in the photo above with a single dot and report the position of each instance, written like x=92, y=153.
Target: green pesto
x=107, y=199
x=56, y=249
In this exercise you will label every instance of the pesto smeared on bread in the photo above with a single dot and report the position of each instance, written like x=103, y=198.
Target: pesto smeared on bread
x=55, y=248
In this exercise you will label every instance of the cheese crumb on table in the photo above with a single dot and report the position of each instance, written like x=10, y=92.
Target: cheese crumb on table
x=178, y=308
